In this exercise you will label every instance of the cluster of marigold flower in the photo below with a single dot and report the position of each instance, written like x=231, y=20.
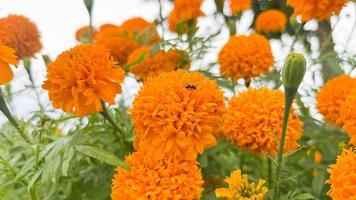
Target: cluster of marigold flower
x=177, y=114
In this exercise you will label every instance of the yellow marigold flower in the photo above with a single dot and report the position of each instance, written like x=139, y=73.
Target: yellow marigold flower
x=144, y=29
x=245, y=57
x=21, y=34
x=80, y=78
x=342, y=177
x=316, y=9
x=7, y=58
x=119, y=45
x=261, y=131
x=271, y=21
x=183, y=11
x=144, y=66
x=238, y=6
x=241, y=189
x=177, y=113
x=348, y=114
x=161, y=179
x=332, y=96
x=83, y=33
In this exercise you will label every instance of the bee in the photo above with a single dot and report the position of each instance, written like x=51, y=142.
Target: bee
x=190, y=86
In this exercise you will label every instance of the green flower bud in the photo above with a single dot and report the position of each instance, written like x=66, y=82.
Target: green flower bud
x=89, y=5
x=293, y=70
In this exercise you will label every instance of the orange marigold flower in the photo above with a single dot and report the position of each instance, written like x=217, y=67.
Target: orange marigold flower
x=342, y=177
x=82, y=34
x=21, y=34
x=332, y=96
x=146, y=31
x=245, y=57
x=316, y=9
x=151, y=178
x=261, y=131
x=115, y=40
x=348, y=114
x=177, y=113
x=241, y=189
x=238, y=6
x=183, y=11
x=80, y=78
x=144, y=66
x=7, y=58
x=271, y=21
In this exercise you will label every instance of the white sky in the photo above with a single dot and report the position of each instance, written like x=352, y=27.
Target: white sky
x=58, y=20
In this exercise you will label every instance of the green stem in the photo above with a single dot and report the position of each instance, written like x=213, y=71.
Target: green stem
x=242, y=161
x=289, y=96
x=6, y=111
x=27, y=66
x=269, y=175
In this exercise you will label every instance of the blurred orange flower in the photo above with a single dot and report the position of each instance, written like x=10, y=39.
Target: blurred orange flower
x=245, y=57
x=254, y=122
x=150, y=178
x=348, y=114
x=144, y=66
x=177, y=113
x=82, y=34
x=342, y=176
x=80, y=78
x=119, y=44
x=271, y=21
x=332, y=96
x=7, y=58
x=316, y=9
x=21, y=34
x=184, y=11
x=240, y=189
x=238, y=6
x=141, y=29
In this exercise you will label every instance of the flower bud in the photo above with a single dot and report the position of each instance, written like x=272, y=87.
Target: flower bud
x=293, y=70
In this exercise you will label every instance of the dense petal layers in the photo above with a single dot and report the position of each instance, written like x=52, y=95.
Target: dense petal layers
x=177, y=113
x=238, y=6
x=348, y=114
x=160, y=179
x=271, y=21
x=253, y=121
x=245, y=57
x=80, y=78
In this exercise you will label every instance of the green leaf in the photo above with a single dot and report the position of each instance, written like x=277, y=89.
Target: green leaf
x=34, y=179
x=67, y=157
x=304, y=196
x=318, y=183
x=101, y=155
x=155, y=49
x=26, y=168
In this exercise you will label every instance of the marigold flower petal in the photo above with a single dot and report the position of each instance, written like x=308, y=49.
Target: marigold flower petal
x=316, y=9
x=177, y=113
x=80, y=78
x=238, y=6
x=150, y=178
x=271, y=21
x=245, y=57
x=21, y=34
x=7, y=58
x=261, y=131
x=146, y=30
x=348, y=114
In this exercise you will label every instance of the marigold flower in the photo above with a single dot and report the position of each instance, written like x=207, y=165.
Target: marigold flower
x=150, y=178
x=177, y=113
x=241, y=189
x=245, y=57
x=142, y=28
x=348, y=114
x=144, y=66
x=83, y=33
x=261, y=131
x=238, y=6
x=21, y=34
x=342, y=177
x=80, y=78
x=271, y=21
x=332, y=96
x=119, y=44
x=184, y=11
x=316, y=9
x=7, y=57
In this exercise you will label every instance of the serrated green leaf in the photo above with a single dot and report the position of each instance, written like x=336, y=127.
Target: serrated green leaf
x=101, y=155
x=34, y=179
x=318, y=183
x=26, y=168
x=67, y=157
x=304, y=196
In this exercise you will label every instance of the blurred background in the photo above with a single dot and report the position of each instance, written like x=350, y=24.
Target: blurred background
x=58, y=21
